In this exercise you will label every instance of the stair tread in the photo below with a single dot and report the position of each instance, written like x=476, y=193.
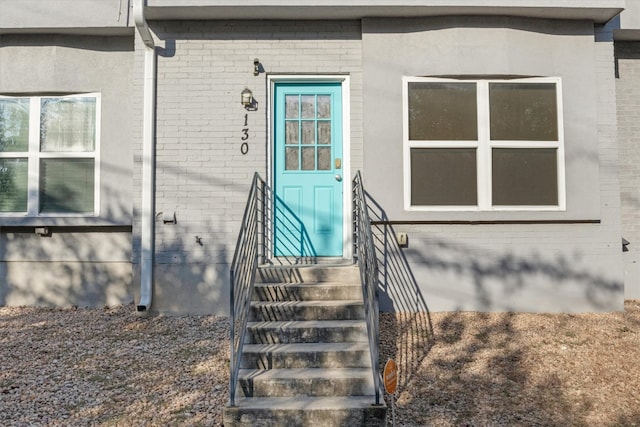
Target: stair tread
x=339, y=263
x=305, y=347
x=308, y=284
x=306, y=323
x=309, y=303
x=307, y=373
x=303, y=402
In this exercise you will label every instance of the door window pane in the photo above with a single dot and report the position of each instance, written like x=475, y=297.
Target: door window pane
x=14, y=124
x=13, y=185
x=324, y=158
x=292, y=134
x=442, y=111
x=308, y=106
x=291, y=159
x=292, y=104
x=66, y=185
x=308, y=158
x=525, y=176
x=324, y=106
x=443, y=176
x=523, y=111
x=67, y=124
x=324, y=133
x=308, y=132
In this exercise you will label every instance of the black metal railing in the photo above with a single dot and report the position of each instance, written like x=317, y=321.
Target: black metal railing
x=249, y=253
x=365, y=255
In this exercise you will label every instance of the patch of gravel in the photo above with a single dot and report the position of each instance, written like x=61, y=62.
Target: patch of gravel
x=109, y=367
x=516, y=369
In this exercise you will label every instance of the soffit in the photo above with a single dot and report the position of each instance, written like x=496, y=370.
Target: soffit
x=599, y=11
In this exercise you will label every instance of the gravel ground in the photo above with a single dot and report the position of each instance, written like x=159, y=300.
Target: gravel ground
x=109, y=367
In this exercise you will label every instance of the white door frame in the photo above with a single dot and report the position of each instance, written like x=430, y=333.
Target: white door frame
x=347, y=215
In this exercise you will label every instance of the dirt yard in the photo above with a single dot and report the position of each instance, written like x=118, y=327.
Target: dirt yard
x=516, y=369
x=108, y=367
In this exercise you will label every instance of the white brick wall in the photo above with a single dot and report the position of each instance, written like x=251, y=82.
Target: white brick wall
x=201, y=174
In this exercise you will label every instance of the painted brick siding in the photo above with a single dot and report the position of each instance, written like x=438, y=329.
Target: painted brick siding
x=628, y=102
x=201, y=174
x=537, y=266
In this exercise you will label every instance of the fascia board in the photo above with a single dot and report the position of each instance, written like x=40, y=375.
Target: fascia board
x=599, y=11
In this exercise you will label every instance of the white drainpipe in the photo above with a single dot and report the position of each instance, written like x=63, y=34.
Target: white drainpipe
x=148, y=159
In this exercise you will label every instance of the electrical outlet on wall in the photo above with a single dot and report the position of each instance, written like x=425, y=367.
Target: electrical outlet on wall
x=402, y=239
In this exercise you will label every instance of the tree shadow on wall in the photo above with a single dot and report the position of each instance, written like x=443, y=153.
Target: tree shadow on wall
x=498, y=277
x=68, y=265
x=476, y=368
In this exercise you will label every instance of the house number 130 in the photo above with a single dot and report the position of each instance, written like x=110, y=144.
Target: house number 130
x=244, y=148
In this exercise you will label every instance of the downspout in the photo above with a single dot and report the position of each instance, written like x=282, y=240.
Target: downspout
x=148, y=159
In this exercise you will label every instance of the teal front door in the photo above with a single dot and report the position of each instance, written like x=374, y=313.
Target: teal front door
x=308, y=218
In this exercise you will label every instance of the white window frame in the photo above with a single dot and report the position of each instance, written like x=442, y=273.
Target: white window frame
x=34, y=155
x=484, y=146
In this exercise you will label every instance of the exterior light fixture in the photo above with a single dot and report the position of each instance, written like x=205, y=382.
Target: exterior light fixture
x=256, y=66
x=246, y=98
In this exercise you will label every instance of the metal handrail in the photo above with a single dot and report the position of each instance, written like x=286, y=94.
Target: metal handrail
x=365, y=255
x=248, y=252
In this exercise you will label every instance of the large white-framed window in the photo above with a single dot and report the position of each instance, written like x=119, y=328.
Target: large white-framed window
x=49, y=155
x=483, y=144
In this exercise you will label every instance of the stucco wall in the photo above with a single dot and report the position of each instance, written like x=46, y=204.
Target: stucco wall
x=534, y=266
x=82, y=16
x=201, y=174
x=86, y=260
x=628, y=97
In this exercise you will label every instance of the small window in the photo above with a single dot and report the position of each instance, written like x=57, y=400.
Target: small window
x=308, y=133
x=49, y=155
x=483, y=144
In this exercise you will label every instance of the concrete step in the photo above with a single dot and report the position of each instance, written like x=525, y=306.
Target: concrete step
x=313, y=355
x=306, y=291
x=284, y=332
x=351, y=411
x=305, y=382
x=307, y=310
x=309, y=273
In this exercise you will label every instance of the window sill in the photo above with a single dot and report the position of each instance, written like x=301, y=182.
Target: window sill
x=62, y=221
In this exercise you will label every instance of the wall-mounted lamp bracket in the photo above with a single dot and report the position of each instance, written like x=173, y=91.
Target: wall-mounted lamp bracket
x=247, y=100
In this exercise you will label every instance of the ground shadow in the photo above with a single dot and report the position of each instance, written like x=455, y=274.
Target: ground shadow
x=405, y=322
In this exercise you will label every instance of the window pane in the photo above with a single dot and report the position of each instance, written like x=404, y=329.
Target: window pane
x=13, y=185
x=291, y=159
x=66, y=185
x=68, y=124
x=442, y=111
x=523, y=111
x=14, y=124
x=308, y=158
x=525, y=176
x=443, y=176
x=324, y=132
x=308, y=132
x=291, y=106
x=324, y=106
x=308, y=107
x=292, y=136
x=324, y=158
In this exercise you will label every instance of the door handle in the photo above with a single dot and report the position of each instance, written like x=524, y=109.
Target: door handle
x=338, y=177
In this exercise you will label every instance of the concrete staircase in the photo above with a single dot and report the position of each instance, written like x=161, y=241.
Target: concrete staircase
x=306, y=358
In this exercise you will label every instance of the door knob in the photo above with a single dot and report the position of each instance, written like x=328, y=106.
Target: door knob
x=338, y=177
